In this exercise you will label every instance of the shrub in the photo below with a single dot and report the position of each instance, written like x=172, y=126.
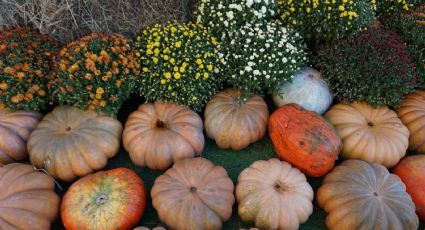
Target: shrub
x=386, y=8
x=412, y=32
x=178, y=64
x=326, y=20
x=25, y=63
x=225, y=16
x=96, y=72
x=373, y=66
x=257, y=57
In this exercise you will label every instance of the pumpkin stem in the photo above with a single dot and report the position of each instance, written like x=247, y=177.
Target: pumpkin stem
x=160, y=124
x=101, y=199
x=370, y=124
x=193, y=189
x=68, y=129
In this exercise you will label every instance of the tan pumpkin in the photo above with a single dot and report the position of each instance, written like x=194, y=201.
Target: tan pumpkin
x=15, y=129
x=359, y=195
x=158, y=134
x=194, y=194
x=27, y=198
x=72, y=143
x=234, y=121
x=412, y=114
x=274, y=195
x=374, y=135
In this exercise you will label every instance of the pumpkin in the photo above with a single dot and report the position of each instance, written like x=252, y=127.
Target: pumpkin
x=412, y=114
x=307, y=89
x=106, y=200
x=158, y=134
x=274, y=195
x=359, y=195
x=15, y=129
x=27, y=198
x=235, y=120
x=411, y=170
x=420, y=15
x=193, y=194
x=146, y=228
x=304, y=139
x=374, y=135
x=70, y=142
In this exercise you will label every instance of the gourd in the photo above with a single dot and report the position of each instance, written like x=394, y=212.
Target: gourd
x=27, y=198
x=411, y=171
x=412, y=114
x=304, y=139
x=374, y=135
x=15, y=129
x=193, y=194
x=235, y=120
x=71, y=143
x=158, y=134
x=307, y=89
x=359, y=195
x=274, y=195
x=106, y=200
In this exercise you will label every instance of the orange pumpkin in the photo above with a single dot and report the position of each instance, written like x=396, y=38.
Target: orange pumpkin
x=374, y=135
x=15, y=129
x=234, y=121
x=359, y=195
x=304, y=139
x=27, y=198
x=70, y=142
x=106, y=200
x=411, y=170
x=194, y=194
x=412, y=114
x=158, y=134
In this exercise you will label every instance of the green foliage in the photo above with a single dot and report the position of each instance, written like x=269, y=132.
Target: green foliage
x=25, y=64
x=258, y=57
x=96, y=72
x=178, y=64
x=326, y=20
x=374, y=66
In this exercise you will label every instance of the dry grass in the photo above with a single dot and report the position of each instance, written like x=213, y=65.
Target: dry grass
x=67, y=20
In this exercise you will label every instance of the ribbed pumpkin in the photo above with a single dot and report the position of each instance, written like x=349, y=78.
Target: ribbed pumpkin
x=304, y=139
x=374, y=135
x=274, y=195
x=358, y=195
x=72, y=143
x=235, y=121
x=411, y=170
x=106, y=200
x=27, y=198
x=412, y=114
x=194, y=194
x=15, y=129
x=307, y=89
x=158, y=134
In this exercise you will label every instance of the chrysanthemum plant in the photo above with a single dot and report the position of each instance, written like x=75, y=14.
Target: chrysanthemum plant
x=327, y=20
x=25, y=64
x=96, y=72
x=373, y=66
x=223, y=17
x=258, y=57
x=178, y=63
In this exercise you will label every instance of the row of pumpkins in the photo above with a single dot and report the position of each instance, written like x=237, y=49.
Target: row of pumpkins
x=196, y=194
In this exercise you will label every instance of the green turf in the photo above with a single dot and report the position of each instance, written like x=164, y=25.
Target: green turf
x=234, y=162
